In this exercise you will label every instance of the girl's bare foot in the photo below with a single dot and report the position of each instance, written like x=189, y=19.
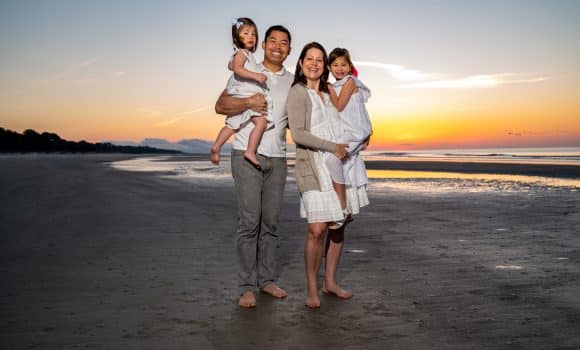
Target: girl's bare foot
x=337, y=291
x=313, y=302
x=247, y=300
x=214, y=155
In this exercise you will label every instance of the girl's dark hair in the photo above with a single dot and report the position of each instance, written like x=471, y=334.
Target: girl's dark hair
x=237, y=27
x=340, y=52
x=299, y=76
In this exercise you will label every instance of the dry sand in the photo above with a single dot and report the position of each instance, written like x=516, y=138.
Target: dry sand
x=97, y=258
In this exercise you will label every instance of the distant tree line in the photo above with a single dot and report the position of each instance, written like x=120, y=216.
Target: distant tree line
x=32, y=141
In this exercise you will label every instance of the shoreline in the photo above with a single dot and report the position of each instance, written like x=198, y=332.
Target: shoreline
x=464, y=166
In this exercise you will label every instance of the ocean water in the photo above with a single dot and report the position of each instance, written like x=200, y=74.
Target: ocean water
x=385, y=180
x=559, y=155
x=459, y=180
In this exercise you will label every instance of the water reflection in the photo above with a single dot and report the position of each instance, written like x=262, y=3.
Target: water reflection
x=429, y=181
x=406, y=180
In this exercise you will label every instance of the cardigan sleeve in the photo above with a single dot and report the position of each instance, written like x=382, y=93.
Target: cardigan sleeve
x=297, y=110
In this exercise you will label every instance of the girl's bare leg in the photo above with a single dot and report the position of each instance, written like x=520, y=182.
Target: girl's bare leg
x=214, y=153
x=260, y=124
x=334, y=245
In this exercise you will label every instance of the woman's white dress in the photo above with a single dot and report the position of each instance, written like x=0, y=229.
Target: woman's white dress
x=356, y=126
x=240, y=87
x=324, y=205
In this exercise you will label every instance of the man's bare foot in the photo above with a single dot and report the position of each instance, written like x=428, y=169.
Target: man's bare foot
x=337, y=291
x=252, y=159
x=247, y=300
x=214, y=155
x=274, y=290
x=313, y=302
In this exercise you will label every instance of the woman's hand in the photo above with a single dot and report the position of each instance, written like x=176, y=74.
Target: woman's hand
x=340, y=151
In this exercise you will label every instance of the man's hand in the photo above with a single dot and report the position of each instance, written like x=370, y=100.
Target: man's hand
x=228, y=105
x=257, y=102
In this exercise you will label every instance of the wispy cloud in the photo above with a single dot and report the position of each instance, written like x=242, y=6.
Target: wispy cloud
x=168, y=122
x=88, y=62
x=398, y=72
x=179, y=117
x=71, y=71
x=197, y=110
x=417, y=79
x=477, y=81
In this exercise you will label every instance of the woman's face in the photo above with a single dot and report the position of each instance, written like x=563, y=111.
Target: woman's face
x=313, y=64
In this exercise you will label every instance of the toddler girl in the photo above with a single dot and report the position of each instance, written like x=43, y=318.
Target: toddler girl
x=349, y=95
x=246, y=81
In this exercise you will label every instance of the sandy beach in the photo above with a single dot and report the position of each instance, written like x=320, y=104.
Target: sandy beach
x=93, y=257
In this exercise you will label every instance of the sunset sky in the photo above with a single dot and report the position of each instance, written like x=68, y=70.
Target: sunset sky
x=444, y=74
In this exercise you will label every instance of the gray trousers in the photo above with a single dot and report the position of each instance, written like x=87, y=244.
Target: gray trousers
x=259, y=196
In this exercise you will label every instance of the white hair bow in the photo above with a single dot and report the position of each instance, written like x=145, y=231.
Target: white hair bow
x=237, y=23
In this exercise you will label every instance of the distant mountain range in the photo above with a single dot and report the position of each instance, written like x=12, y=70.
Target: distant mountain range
x=192, y=146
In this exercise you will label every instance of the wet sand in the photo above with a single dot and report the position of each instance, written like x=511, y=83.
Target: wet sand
x=97, y=258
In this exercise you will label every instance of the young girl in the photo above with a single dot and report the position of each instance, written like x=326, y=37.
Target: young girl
x=349, y=95
x=246, y=81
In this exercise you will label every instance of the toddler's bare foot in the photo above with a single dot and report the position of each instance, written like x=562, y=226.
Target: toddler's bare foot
x=247, y=300
x=214, y=155
x=251, y=157
x=275, y=291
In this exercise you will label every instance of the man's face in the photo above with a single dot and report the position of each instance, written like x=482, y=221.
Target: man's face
x=276, y=47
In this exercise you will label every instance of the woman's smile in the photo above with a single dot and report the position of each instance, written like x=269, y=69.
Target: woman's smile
x=313, y=64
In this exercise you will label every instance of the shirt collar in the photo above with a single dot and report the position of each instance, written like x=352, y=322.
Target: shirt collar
x=281, y=72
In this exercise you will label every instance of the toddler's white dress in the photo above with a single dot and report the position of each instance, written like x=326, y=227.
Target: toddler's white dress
x=356, y=126
x=240, y=87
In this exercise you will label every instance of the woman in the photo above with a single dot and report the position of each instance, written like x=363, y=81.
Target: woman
x=314, y=123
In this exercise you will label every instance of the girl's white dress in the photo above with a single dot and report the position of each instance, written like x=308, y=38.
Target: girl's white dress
x=324, y=205
x=356, y=126
x=240, y=87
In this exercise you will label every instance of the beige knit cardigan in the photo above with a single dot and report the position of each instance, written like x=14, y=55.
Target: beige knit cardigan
x=299, y=110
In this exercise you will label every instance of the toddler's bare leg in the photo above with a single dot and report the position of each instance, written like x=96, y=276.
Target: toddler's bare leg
x=260, y=124
x=214, y=153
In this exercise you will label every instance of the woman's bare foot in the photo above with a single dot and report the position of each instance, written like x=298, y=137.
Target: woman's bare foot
x=274, y=290
x=214, y=155
x=251, y=157
x=247, y=300
x=337, y=291
x=313, y=301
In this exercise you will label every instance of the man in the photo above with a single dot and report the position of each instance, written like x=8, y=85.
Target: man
x=259, y=193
